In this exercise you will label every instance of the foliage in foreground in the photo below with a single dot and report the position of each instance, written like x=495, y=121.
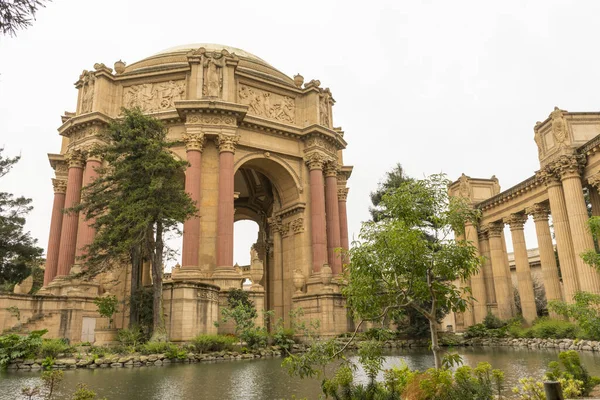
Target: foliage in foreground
x=13, y=346
x=409, y=259
x=585, y=310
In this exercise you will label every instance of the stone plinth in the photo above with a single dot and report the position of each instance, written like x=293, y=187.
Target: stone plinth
x=190, y=309
x=328, y=308
x=105, y=337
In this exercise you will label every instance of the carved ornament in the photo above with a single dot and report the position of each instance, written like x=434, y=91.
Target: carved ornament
x=284, y=229
x=594, y=180
x=324, y=110
x=464, y=187
x=538, y=211
x=320, y=143
x=268, y=105
x=275, y=224
x=559, y=125
x=61, y=169
x=538, y=138
x=548, y=176
x=516, y=220
x=315, y=160
x=342, y=194
x=298, y=225
x=495, y=229
x=75, y=158
x=569, y=166
x=60, y=185
x=331, y=169
x=227, y=142
x=212, y=63
x=154, y=96
x=83, y=133
x=194, y=141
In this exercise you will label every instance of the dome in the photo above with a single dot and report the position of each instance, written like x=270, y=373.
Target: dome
x=176, y=57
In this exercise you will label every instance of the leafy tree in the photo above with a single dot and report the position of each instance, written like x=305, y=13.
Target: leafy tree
x=410, y=258
x=18, y=250
x=393, y=180
x=18, y=14
x=136, y=199
x=107, y=307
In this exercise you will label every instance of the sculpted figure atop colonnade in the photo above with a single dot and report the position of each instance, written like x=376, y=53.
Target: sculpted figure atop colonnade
x=569, y=155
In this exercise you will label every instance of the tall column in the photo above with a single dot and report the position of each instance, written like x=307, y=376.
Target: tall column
x=504, y=293
x=60, y=187
x=317, y=211
x=190, y=253
x=569, y=169
x=86, y=232
x=68, y=235
x=477, y=279
x=562, y=231
x=276, y=289
x=488, y=275
x=524, y=281
x=332, y=218
x=342, y=196
x=540, y=212
x=225, y=210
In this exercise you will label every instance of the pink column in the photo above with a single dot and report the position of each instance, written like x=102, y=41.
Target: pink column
x=191, y=227
x=86, y=232
x=60, y=187
x=68, y=235
x=225, y=210
x=317, y=211
x=342, y=196
x=332, y=218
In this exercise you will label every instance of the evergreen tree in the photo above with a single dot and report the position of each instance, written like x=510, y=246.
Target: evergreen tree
x=18, y=250
x=393, y=180
x=137, y=198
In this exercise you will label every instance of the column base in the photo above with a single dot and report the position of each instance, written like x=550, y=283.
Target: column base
x=69, y=286
x=226, y=277
x=189, y=273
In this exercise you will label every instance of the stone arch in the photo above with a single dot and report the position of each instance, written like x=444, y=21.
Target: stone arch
x=283, y=177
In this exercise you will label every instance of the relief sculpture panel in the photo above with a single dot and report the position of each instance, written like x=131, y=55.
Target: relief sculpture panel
x=268, y=105
x=154, y=96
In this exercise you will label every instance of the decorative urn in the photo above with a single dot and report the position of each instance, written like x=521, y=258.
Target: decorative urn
x=120, y=67
x=326, y=274
x=299, y=281
x=298, y=80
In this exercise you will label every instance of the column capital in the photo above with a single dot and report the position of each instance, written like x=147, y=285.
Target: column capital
x=516, y=221
x=75, y=158
x=275, y=224
x=548, y=177
x=315, y=161
x=60, y=185
x=342, y=194
x=495, y=229
x=594, y=180
x=569, y=166
x=538, y=211
x=227, y=143
x=194, y=141
x=482, y=233
x=331, y=169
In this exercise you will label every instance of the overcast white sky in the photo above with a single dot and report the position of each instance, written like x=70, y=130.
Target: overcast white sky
x=452, y=86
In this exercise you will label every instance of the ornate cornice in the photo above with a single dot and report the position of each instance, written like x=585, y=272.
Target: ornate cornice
x=60, y=185
x=516, y=221
x=297, y=208
x=519, y=189
x=227, y=143
x=538, y=211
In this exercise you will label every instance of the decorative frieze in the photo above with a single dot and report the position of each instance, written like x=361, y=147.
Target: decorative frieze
x=268, y=105
x=154, y=96
x=594, y=180
x=319, y=143
x=208, y=295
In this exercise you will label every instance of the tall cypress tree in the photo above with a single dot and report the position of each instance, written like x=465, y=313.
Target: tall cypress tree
x=137, y=198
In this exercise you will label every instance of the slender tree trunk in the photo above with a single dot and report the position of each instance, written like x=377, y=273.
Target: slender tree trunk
x=159, y=333
x=435, y=346
x=136, y=263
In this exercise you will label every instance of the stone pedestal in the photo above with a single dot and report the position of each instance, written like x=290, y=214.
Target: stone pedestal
x=191, y=309
x=105, y=337
x=328, y=308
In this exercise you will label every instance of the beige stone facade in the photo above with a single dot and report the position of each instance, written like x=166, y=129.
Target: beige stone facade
x=261, y=146
x=568, y=151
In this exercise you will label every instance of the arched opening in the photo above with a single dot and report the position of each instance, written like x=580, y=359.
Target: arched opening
x=245, y=235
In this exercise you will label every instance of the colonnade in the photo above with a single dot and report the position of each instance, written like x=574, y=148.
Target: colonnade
x=69, y=234
x=492, y=286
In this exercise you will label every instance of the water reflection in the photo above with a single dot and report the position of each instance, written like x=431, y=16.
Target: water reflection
x=262, y=379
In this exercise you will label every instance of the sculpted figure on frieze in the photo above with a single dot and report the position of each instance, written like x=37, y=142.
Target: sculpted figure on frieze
x=213, y=64
x=87, y=96
x=154, y=96
x=268, y=105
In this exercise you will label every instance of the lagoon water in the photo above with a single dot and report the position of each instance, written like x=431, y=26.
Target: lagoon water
x=263, y=378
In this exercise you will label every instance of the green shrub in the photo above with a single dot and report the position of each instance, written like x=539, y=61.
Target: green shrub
x=158, y=348
x=206, y=343
x=53, y=347
x=13, y=346
x=546, y=328
x=585, y=311
x=255, y=338
x=131, y=337
x=174, y=352
x=492, y=322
